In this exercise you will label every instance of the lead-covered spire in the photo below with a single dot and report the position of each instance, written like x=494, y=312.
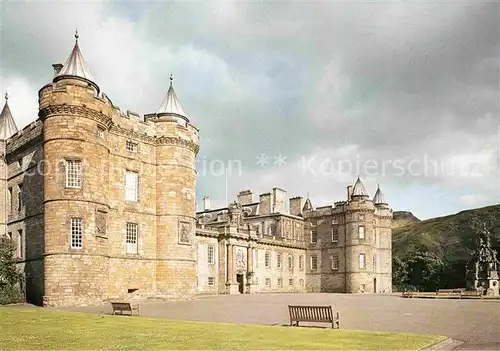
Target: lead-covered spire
x=359, y=189
x=171, y=105
x=379, y=199
x=75, y=66
x=7, y=124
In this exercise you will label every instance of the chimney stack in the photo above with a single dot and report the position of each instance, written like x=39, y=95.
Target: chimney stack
x=206, y=203
x=57, y=68
x=349, y=192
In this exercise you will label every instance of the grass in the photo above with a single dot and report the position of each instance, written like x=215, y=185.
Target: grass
x=36, y=328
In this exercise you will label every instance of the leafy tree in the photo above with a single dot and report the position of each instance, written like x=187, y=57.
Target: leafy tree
x=425, y=270
x=10, y=278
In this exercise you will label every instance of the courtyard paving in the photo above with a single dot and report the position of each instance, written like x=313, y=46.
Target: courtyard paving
x=474, y=322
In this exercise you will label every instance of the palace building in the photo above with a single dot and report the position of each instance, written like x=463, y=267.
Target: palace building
x=101, y=205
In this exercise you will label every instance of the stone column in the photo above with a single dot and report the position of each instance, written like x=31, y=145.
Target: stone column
x=230, y=264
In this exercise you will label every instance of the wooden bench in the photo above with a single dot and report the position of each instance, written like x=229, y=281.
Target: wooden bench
x=120, y=307
x=407, y=294
x=457, y=291
x=321, y=314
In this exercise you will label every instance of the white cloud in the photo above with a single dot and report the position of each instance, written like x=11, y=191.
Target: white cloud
x=473, y=199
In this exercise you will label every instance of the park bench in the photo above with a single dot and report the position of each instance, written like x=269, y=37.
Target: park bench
x=320, y=314
x=120, y=307
x=407, y=294
x=452, y=292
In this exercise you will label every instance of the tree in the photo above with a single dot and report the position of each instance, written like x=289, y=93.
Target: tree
x=10, y=278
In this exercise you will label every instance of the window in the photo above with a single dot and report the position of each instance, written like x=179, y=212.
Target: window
x=20, y=198
x=314, y=262
x=290, y=282
x=335, y=221
x=280, y=282
x=211, y=281
x=256, y=258
x=73, y=173
x=9, y=235
x=76, y=232
x=272, y=229
x=131, y=180
x=10, y=199
x=100, y=132
x=130, y=146
x=362, y=261
x=20, y=242
x=211, y=254
x=279, y=260
x=361, y=232
x=374, y=263
x=335, y=262
x=301, y=282
x=335, y=235
x=268, y=282
x=314, y=236
x=374, y=235
x=290, y=262
x=267, y=260
x=301, y=262
x=131, y=238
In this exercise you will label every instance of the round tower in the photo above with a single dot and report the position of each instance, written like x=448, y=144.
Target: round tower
x=176, y=150
x=75, y=184
x=359, y=244
x=383, y=244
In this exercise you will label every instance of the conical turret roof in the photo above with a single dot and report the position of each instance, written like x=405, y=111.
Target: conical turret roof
x=7, y=124
x=359, y=189
x=75, y=66
x=307, y=205
x=171, y=105
x=379, y=197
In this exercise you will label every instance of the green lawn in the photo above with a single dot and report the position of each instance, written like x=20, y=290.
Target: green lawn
x=36, y=328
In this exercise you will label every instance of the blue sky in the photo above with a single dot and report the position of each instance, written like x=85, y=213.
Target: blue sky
x=328, y=86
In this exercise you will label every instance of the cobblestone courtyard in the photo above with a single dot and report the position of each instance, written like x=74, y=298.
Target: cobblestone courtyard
x=475, y=322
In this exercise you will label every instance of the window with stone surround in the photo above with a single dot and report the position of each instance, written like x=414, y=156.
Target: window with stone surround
x=301, y=262
x=20, y=197
x=268, y=282
x=267, y=260
x=290, y=282
x=361, y=261
x=361, y=232
x=131, y=146
x=280, y=282
x=335, y=234
x=100, y=131
x=131, y=186
x=131, y=238
x=20, y=242
x=314, y=236
x=290, y=262
x=211, y=281
x=76, y=233
x=279, y=260
x=335, y=262
x=314, y=262
x=10, y=200
x=73, y=173
x=272, y=229
x=211, y=254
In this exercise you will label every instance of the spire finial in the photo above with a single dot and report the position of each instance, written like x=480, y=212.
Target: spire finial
x=171, y=79
x=76, y=35
x=6, y=96
x=308, y=195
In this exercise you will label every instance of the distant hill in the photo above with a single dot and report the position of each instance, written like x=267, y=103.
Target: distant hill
x=450, y=238
x=403, y=218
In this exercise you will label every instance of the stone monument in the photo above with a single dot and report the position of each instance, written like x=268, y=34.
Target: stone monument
x=482, y=270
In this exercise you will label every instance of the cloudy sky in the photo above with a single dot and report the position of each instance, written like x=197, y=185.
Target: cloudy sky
x=299, y=96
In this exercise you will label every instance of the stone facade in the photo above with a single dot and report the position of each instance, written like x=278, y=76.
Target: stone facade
x=296, y=248
x=101, y=204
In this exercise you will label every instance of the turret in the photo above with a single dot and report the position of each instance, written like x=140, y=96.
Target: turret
x=359, y=191
x=76, y=181
x=7, y=124
x=177, y=146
